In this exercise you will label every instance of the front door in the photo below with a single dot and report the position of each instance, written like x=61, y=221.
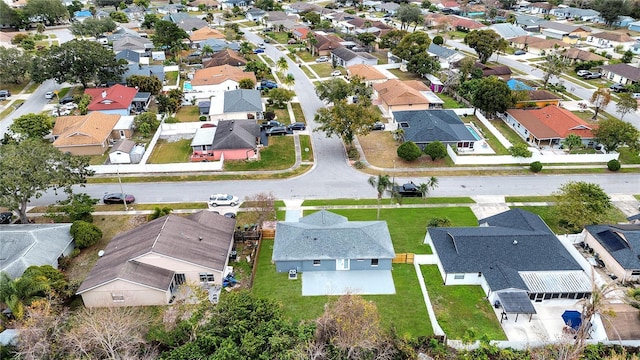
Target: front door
x=342, y=264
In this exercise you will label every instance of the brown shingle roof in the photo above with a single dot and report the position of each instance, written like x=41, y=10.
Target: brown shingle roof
x=577, y=54
x=205, y=33
x=552, y=122
x=624, y=70
x=203, y=239
x=328, y=42
x=396, y=92
x=537, y=95
x=225, y=57
x=611, y=36
x=91, y=129
x=219, y=74
x=365, y=72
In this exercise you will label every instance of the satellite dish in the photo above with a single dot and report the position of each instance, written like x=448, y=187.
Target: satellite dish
x=101, y=253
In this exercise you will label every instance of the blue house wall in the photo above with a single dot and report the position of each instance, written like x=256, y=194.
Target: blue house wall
x=330, y=265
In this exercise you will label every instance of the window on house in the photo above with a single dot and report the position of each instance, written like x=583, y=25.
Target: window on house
x=207, y=277
x=635, y=273
x=316, y=262
x=374, y=262
x=117, y=297
x=458, y=276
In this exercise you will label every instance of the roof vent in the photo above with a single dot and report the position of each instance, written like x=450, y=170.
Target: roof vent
x=104, y=94
x=200, y=238
x=515, y=242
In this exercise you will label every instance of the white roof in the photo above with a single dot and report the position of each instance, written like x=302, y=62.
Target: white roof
x=204, y=136
x=556, y=281
x=434, y=80
x=432, y=97
x=125, y=123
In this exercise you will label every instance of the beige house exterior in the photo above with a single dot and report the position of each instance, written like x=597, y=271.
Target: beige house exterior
x=396, y=95
x=367, y=73
x=146, y=266
x=219, y=79
x=618, y=246
x=84, y=135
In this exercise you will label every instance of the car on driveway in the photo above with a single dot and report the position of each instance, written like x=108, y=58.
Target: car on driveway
x=322, y=59
x=118, y=198
x=336, y=73
x=5, y=94
x=377, y=126
x=66, y=100
x=592, y=75
x=583, y=72
x=267, y=84
x=297, y=126
x=618, y=88
x=223, y=200
x=49, y=95
x=269, y=124
x=519, y=52
x=5, y=217
x=277, y=130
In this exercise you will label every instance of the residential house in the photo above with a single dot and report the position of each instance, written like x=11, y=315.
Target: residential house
x=575, y=13
x=218, y=45
x=89, y=134
x=508, y=31
x=634, y=26
x=635, y=48
x=205, y=33
x=396, y=95
x=255, y=14
x=132, y=42
x=236, y=105
x=437, y=21
x=548, y=126
x=575, y=55
x=361, y=25
x=367, y=73
x=134, y=12
x=230, y=139
x=209, y=4
x=622, y=21
x=607, y=39
x=528, y=22
x=618, y=247
x=512, y=256
x=133, y=57
x=538, y=99
x=126, y=151
x=230, y=4
x=146, y=266
x=24, y=245
x=536, y=45
x=274, y=20
x=388, y=7
x=325, y=43
x=449, y=6
x=345, y=57
x=355, y=255
x=124, y=128
x=185, y=21
x=143, y=70
x=117, y=99
x=463, y=24
x=565, y=32
x=302, y=7
x=501, y=71
x=624, y=74
x=445, y=56
x=426, y=126
x=225, y=57
x=121, y=32
x=300, y=33
x=539, y=8
x=219, y=78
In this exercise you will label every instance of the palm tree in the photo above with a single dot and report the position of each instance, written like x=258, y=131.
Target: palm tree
x=245, y=48
x=431, y=184
x=20, y=292
x=207, y=50
x=381, y=183
x=289, y=80
x=282, y=64
x=312, y=43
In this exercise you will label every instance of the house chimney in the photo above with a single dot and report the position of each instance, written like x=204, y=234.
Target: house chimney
x=515, y=242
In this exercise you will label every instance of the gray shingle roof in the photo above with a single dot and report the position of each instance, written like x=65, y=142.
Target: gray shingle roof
x=203, y=238
x=507, y=30
x=425, y=126
x=507, y=243
x=242, y=100
x=144, y=70
x=612, y=238
x=325, y=235
x=441, y=51
x=24, y=245
x=236, y=134
x=128, y=55
x=625, y=70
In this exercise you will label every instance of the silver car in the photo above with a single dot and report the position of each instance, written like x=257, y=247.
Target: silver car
x=223, y=200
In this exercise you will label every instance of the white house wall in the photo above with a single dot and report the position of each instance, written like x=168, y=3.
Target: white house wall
x=120, y=157
x=133, y=295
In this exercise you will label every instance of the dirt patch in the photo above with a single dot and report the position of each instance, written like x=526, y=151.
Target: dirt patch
x=380, y=150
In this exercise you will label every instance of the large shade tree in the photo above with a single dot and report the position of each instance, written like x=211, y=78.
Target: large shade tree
x=14, y=65
x=168, y=35
x=412, y=44
x=492, y=95
x=31, y=167
x=612, y=133
x=34, y=126
x=346, y=120
x=50, y=12
x=600, y=99
x=484, y=42
x=581, y=203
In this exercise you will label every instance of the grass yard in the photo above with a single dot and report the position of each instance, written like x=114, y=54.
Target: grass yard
x=461, y=307
x=404, y=75
x=280, y=37
x=382, y=56
x=407, y=225
x=405, y=310
x=547, y=213
x=166, y=152
x=279, y=155
x=307, y=71
x=99, y=159
x=491, y=139
x=405, y=201
x=282, y=114
x=628, y=157
x=171, y=77
x=380, y=150
x=322, y=69
x=511, y=199
x=297, y=112
x=12, y=108
x=188, y=114
x=305, y=143
x=302, y=54
x=508, y=132
x=13, y=87
x=450, y=102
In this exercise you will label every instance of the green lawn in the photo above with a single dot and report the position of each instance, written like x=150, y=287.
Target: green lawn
x=302, y=54
x=508, y=132
x=322, y=69
x=547, y=213
x=279, y=155
x=435, y=200
x=308, y=72
x=405, y=310
x=281, y=114
x=511, y=199
x=280, y=37
x=449, y=102
x=305, y=143
x=628, y=157
x=188, y=114
x=461, y=307
x=404, y=75
x=491, y=139
x=407, y=226
x=171, y=152
x=99, y=159
x=171, y=77
x=297, y=112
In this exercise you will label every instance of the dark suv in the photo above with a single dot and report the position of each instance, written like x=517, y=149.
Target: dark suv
x=618, y=88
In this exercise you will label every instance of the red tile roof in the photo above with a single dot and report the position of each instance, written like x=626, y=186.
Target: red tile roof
x=114, y=98
x=552, y=122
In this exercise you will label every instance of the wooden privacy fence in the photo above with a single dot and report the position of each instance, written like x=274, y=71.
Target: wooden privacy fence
x=403, y=259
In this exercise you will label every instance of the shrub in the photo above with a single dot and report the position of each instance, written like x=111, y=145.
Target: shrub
x=520, y=150
x=85, y=234
x=438, y=40
x=614, y=165
x=439, y=222
x=535, y=166
x=203, y=118
x=409, y=151
x=173, y=120
x=436, y=150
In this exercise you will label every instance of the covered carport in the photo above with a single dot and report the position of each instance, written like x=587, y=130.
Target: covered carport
x=515, y=302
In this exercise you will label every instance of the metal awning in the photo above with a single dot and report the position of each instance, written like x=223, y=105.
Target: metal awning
x=515, y=302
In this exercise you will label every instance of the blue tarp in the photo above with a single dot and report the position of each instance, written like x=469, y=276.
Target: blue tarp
x=572, y=318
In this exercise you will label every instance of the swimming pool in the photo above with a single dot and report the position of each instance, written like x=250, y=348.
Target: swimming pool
x=473, y=132
x=187, y=86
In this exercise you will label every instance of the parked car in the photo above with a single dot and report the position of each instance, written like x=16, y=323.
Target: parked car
x=223, y=200
x=230, y=215
x=291, y=41
x=258, y=51
x=583, y=72
x=322, y=59
x=336, y=73
x=5, y=94
x=267, y=84
x=407, y=190
x=618, y=88
x=592, y=75
x=261, y=46
x=377, y=126
x=67, y=99
x=118, y=198
x=297, y=126
x=5, y=217
x=519, y=52
x=635, y=95
x=207, y=125
x=267, y=40
x=277, y=130
x=49, y=95
x=271, y=123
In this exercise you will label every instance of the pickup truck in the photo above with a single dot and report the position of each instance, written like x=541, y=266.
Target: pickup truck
x=407, y=190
